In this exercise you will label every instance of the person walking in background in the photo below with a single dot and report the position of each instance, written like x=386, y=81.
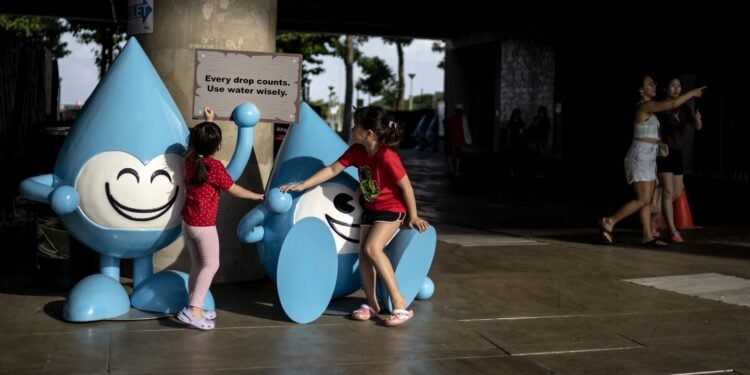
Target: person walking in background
x=457, y=135
x=539, y=130
x=640, y=161
x=515, y=142
x=671, y=167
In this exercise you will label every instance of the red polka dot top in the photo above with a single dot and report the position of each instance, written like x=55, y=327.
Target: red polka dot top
x=202, y=202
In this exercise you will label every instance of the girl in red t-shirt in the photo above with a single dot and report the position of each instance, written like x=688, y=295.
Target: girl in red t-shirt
x=204, y=178
x=389, y=199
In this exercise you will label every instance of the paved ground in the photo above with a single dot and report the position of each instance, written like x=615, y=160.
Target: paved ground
x=523, y=286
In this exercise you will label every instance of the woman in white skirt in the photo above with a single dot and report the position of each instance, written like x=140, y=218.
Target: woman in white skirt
x=640, y=162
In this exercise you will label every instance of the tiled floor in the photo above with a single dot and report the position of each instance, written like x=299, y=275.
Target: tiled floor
x=509, y=299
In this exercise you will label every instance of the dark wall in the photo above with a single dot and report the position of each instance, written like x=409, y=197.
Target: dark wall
x=597, y=81
x=599, y=62
x=29, y=88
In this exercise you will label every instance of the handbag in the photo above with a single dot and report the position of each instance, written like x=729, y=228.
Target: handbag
x=656, y=199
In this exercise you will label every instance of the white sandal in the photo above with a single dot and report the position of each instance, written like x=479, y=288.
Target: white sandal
x=364, y=313
x=203, y=323
x=399, y=316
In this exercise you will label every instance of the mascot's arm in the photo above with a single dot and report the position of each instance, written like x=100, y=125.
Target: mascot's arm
x=245, y=116
x=250, y=228
x=64, y=199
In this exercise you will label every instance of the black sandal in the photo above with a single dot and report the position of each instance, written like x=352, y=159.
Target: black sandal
x=604, y=231
x=655, y=243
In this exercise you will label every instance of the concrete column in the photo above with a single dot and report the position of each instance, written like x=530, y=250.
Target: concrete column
x=181, y=26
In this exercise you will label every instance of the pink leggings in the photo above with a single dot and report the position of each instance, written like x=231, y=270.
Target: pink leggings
x=203, y=243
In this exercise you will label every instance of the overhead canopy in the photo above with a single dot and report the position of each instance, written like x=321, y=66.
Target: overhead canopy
x=384, y=17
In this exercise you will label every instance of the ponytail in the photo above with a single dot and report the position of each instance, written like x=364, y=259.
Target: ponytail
x=205, y=139
x=201, y=172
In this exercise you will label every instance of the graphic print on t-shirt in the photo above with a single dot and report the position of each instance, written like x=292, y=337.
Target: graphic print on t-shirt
x=370, y=188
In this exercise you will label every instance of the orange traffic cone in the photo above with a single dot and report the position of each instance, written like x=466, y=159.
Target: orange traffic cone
x=683, y=219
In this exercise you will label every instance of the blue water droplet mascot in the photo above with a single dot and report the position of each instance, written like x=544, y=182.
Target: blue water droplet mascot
x=118, y=187
x=309, y=241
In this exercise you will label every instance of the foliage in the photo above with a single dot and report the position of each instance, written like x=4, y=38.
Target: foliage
x=45, y=31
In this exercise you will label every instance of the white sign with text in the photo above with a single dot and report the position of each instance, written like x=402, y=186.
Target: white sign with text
x=271, y=81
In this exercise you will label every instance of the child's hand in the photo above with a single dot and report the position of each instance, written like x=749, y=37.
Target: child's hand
x=208, y=113
x=292, y=187
x=258, y=197
x=420, y=223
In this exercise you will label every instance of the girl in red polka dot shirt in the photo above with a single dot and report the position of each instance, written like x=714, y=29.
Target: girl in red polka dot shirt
x=205, y=177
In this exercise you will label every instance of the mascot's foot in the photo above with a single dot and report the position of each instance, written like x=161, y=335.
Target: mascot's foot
x=427, y=289
x=166, y=292
x=306, y=273
x=410, y=253
x=97, y=297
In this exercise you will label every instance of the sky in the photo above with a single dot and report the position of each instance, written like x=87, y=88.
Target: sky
x=79, y=73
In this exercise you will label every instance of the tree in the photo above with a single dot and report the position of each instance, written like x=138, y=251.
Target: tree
x=310, y=46
x=427, y=101
x=45, y=31
x=107, y=36
x=377, y=79
x=348, y=50
x=439, y=47
x=400, y=43
x=377, y=76
x=25, y=103
x=320, y=107
x=349, y=65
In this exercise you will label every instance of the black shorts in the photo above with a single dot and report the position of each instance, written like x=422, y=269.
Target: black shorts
x=370, y=217
x=671, y=164
x=454, y=151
